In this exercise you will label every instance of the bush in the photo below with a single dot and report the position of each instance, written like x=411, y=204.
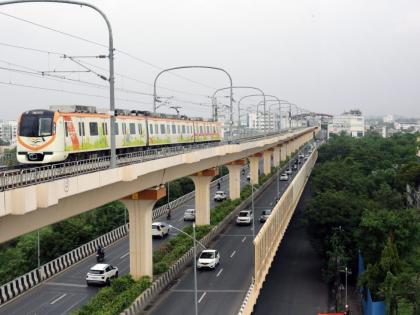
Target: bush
x=114, y=299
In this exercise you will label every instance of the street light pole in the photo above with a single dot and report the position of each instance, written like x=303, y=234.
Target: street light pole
x=113, y=157
x=195, y=260
x=39, y=251
x=195, y=271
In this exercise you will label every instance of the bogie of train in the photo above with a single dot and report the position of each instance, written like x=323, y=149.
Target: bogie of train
x=65, y=133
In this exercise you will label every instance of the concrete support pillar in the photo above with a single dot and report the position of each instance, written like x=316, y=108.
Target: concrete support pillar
x=276, y=156
x=289, y=148
x=140, y=206
x=235, y=178
x=202, y=182
x=283, y=152
x=267, y=161
x=253, y=168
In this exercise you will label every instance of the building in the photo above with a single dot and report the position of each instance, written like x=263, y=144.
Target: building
x=8, y=131
x=262, y=122
x=352, y=123
x=388, y=118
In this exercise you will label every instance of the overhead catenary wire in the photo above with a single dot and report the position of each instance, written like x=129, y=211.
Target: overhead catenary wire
x=69, y=92
x=31, y=71
x=105, y=46
x=101, y=68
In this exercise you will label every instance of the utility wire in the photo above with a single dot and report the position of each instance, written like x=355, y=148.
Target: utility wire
x=57, y=78
x=34, y=72
x=70, y=92
x=102, y=68
x=105, y=46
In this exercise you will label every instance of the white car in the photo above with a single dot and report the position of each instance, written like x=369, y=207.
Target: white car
x=189, y=215
x=284, y=176
x=101, y=274
x=209, y=258
x=301, y=156
x=248, y=176
x=244, y=217
x=220, y=196
x=160, y=229
x=289, y=171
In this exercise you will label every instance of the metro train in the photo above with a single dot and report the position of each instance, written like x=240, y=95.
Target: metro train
x=75, y=132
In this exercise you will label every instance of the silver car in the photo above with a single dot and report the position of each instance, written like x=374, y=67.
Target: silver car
x=264, y=215
x=189, y=215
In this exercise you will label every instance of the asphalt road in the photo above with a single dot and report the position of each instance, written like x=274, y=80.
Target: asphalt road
x=220, y=291
x=294, y=284
x=68, y=290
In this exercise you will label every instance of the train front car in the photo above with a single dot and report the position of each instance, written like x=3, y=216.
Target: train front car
x=37, y=138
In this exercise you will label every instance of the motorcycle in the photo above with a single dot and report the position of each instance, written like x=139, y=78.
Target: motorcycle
x=100, y=257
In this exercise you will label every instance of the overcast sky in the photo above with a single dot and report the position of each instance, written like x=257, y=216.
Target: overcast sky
x=325, y=56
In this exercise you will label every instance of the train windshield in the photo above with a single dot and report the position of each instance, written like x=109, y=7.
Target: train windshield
x=36, y=124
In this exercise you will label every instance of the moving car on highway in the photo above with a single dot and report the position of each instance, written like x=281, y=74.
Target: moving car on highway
x=284, y=177
x=101, y=274
x=189, y=215
x=264, y=215
x=245, y=217
x=289, y=171
x=209, y=258
x=160, y=229
x=220, y=196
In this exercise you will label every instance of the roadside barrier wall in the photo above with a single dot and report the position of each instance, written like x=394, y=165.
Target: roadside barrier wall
x=270, y=235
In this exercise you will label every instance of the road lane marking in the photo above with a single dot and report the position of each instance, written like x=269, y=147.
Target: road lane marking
x=125, y=255
x=66, y=284
x=233, y=254
x=58, y=299
x=243, y=240
x=202, y=297
x=220, y=271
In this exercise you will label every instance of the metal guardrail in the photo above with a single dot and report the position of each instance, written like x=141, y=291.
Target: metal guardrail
x=17, y=178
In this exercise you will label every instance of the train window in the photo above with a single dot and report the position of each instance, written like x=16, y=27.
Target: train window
x=81, y=129
x=132, y=128
x=104, y=129
x=207, y=128
x=124, y=128
x=183, y=128
x=168, y=129
x=201, y=129
x=140, y=129
x=173, y=129
x=156, y=129
x=116, y=130
x=66, y=128
x=93, y=128
x=162, y=129
x=151, y=129
x=178, y=128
